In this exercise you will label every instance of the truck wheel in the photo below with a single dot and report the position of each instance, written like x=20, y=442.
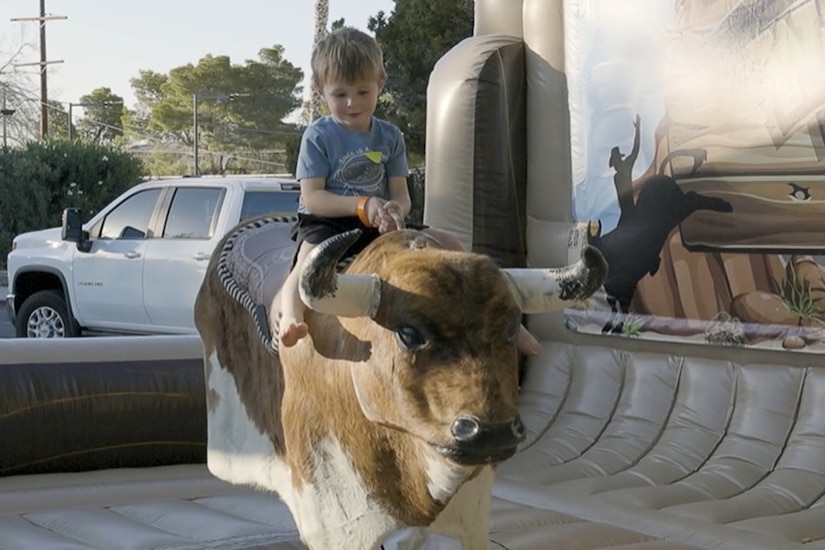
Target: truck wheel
x=45, y=315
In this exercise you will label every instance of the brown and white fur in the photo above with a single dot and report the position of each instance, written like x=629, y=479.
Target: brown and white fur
x=382, y=421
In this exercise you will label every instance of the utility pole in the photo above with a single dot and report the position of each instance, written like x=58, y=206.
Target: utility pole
x=44, y=88
x=195, y=168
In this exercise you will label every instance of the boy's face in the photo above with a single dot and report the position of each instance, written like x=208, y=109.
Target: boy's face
x=353, y=103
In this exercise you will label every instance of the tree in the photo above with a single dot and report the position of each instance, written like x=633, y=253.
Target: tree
x=20, y=127
x=15, y=95
x=58, y=121
x=413, y=38
x=38, y=181
x=316, y=99
x=103, y=120
x=148, y=88
x=240, y=107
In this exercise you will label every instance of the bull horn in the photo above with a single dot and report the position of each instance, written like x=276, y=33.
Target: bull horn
x=545, y=290
x=324, y=290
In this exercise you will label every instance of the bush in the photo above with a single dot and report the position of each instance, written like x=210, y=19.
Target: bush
x=38, y=182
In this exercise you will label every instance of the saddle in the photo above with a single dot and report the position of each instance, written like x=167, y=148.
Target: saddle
x=253, y=264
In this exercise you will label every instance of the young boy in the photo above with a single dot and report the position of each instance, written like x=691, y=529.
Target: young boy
x=352, y=167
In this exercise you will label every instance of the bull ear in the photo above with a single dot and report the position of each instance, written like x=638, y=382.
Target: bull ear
x=546, y=290
x=324, y=290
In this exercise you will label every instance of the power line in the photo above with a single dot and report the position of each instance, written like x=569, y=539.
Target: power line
x=44, y=88
x=183, y=151
x=187, y=152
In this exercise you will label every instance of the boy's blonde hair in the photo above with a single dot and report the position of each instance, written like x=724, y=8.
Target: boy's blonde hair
x=347, y=55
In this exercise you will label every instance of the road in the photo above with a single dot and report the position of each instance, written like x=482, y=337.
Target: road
x=6, y=329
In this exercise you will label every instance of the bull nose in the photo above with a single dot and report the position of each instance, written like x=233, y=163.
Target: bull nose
x=465, y=429
x=468, y=429
x=478, y=442
x=518, y=428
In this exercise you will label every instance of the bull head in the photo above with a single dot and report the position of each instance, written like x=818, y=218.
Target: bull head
x=324, y=290
x=446, y=373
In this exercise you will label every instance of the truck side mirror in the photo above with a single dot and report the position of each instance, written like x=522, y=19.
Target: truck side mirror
x=72, y=229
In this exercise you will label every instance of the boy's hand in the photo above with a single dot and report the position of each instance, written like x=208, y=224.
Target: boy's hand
x=393, y=217
x=385, y=215
x=375, y=209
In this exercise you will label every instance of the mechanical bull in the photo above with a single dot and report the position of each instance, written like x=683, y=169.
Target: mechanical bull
x=396, y=407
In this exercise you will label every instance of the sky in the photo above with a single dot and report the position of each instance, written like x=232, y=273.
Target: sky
x=105, y=43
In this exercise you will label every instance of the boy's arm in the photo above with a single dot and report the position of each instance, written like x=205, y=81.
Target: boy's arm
x=322, y=203
x=400, y=194
x=313, y=161
x=397, y=170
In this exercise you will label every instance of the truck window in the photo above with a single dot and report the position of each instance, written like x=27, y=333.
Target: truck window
x=193, y=213
x=130, y=218
x=277, y=203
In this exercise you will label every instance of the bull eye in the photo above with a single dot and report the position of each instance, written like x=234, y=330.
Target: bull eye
x=410, y=337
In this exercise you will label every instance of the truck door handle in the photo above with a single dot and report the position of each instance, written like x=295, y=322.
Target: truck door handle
x=132, y=255
x=201, y=256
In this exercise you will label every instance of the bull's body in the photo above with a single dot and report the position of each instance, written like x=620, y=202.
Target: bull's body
x=378, y=422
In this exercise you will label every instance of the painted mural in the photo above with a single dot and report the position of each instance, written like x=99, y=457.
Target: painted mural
x=698, y=132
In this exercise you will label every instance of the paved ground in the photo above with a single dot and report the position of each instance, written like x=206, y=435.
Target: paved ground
x=6, y=330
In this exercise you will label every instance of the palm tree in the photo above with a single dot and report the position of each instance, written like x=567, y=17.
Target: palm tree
x=321, y=19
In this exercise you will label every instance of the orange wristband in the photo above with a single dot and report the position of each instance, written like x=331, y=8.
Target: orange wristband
x=361, y=210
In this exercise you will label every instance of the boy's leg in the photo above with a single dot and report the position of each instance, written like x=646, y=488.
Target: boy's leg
x=292, y=327
x=526, y=342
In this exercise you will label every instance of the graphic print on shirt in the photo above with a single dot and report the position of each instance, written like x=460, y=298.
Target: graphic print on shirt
x=361, y=172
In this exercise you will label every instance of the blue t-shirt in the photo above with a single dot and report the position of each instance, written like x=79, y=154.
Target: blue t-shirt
x=352, y=163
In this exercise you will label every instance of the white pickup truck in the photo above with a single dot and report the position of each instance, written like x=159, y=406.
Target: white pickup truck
x=136, y=266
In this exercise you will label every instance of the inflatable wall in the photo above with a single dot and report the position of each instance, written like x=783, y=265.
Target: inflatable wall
x=691, y=137
x=698, y=158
